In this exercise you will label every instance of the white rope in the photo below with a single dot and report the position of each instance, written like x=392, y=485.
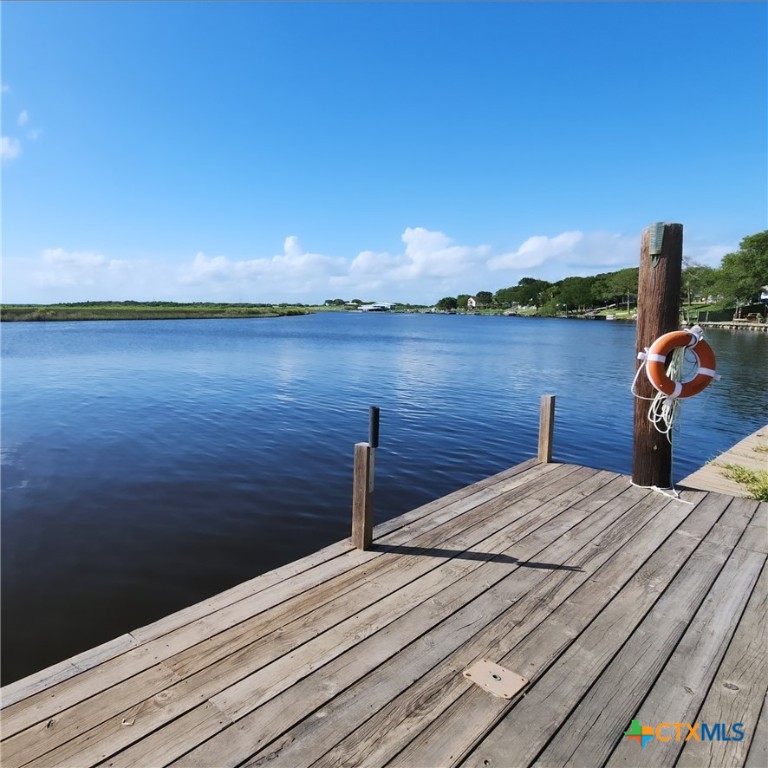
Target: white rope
x=641, y=369
x=671, y=492
x=663, y=410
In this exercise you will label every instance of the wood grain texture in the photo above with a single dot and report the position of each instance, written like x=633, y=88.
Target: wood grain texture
x=634, y=576
x=658, y=308
x=527, y=729
x=683, y=657
x=362, y=507
x=307, y=742
x=546, y=427
x=758, y=749
x=739, y=688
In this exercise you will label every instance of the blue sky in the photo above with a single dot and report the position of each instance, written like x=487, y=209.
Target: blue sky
x=384, y=151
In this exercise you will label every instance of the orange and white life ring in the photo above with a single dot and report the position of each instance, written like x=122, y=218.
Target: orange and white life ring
x=656, y=359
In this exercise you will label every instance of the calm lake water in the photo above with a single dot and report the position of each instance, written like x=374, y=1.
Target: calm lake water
x=149, y=464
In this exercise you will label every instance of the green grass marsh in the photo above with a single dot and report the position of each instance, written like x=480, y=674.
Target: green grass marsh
x=143, y=310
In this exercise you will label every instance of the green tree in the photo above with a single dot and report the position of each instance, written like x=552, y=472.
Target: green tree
x=697, y=281
x=531, y=291
x=505, y=297
x=743, y=273
x=461, y=301
x=602, y=290
x=485, y=298
x=576, y=292
x=447, y=303
x=623, y=284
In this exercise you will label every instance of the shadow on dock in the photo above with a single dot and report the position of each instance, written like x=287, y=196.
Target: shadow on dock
x=484, y=557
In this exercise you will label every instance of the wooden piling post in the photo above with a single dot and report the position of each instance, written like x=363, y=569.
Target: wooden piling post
x=362, y=498
x=546, y=427
x=373, y=425
x=658, y=312
x=373, y=441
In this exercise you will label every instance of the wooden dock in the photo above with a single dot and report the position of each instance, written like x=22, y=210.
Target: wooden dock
x=751, y=453
x=618, y=603
x=736, y=325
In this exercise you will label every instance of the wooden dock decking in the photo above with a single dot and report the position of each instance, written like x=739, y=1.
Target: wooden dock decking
x=619, y=604
x=750, y=453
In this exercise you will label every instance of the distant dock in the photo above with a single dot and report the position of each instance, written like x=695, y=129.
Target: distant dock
x=624, y=608
x=737, y=325
x=751, y=453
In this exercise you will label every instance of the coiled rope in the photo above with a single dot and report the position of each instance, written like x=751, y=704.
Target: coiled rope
x=663, y=411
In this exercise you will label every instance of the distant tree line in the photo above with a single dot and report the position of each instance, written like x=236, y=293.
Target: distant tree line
x=739, y=280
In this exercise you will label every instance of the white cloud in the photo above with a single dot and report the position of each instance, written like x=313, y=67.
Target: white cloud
x=372, y=263
x=61, y=268
x=5, y=88
x=709, y=255
x=428, y=266
x=433, y=254
x=58, y=256
x=295, y=261
x=427, y=254
x=287, y=271
x=581, y=251
x=23, y=118
x=9, y=148
x=57, y=275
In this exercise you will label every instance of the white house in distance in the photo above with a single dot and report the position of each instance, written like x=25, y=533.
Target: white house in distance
x=472, y=302
x=379, y=306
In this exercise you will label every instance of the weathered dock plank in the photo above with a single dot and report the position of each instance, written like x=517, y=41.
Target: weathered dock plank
x=758, y=749
x=563, y=573
x=739, y=688
x=567, y=655
x=663, y=662
x=474, y=609
x=450, y=736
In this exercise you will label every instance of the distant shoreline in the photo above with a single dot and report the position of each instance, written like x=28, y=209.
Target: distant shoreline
x=36, y=313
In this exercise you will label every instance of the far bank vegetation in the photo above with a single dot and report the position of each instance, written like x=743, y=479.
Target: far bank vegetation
x=143, y=310
x=739, y=281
